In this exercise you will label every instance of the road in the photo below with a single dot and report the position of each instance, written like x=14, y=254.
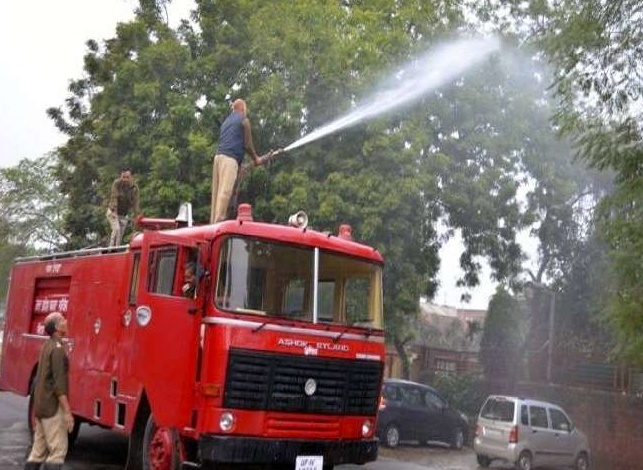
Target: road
x=97, y=449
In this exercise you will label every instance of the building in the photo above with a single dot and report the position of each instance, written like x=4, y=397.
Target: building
x=447, y=342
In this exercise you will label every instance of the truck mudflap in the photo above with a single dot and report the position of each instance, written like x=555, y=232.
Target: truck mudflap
x=238, y=449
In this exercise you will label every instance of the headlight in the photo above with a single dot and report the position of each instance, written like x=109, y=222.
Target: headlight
x=367, y=427
x=226, y=421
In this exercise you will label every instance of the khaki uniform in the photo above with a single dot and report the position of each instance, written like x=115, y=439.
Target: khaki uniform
x=123, y=199
x=224, y=175
x=52, y=381
x=235, y=139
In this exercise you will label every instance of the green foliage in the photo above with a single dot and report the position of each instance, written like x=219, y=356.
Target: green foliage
x=462, y=391
x=31, y=213
x=153, y=98
x=31, y=204
x=502, y=341
x=594, y=49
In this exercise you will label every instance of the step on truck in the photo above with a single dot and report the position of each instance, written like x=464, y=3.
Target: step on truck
x=273, y=360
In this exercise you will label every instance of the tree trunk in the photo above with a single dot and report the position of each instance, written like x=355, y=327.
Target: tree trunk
x=401, y=352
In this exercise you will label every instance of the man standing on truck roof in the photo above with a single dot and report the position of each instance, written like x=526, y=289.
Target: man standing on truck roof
x=53, y=418
x=235, y=139
x=123, y=199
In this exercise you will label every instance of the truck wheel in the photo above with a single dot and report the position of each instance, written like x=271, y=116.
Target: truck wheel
x=161, y=447
x=392, y=436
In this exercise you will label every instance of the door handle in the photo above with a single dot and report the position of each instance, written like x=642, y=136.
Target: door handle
x=534, y=431
x=556, y=434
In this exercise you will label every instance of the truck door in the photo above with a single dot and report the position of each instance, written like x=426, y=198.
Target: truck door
x=164, y=347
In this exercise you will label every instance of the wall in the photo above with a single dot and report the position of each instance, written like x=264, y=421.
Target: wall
x=613, y=422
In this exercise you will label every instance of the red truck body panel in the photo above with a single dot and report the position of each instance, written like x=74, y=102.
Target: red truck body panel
x=178, y=360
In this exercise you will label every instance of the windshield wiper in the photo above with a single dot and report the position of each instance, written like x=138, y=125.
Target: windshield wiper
x=352, y=325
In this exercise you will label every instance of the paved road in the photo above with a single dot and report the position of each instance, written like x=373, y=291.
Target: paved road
x=97, y=449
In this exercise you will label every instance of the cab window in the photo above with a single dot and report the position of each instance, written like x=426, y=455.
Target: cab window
x=133, y=284
x=162, y=269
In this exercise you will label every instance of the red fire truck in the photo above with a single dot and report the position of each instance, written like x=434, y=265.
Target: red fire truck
x=275, y=356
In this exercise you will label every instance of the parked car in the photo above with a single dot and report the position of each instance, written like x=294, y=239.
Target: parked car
x=412, y=411
x=529, y=434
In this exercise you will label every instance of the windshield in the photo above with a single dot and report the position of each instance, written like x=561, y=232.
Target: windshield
x=275, y=279
x=499, y=410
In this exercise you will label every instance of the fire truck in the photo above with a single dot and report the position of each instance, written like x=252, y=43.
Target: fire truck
x=274, y=357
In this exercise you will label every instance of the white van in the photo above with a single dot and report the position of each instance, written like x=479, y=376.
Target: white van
x=529, y=434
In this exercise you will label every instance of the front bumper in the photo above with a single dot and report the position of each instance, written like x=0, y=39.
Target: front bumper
x=238, y=449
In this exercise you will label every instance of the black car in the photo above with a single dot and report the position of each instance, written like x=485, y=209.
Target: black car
x=412, y=411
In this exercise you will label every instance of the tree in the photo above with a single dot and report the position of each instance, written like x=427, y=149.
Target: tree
x=31, y=204
x=593, y=48
x=153, y=98
x=503, y=336
x=31, y=213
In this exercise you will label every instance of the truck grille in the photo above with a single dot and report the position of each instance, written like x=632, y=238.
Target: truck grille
x=275, y=382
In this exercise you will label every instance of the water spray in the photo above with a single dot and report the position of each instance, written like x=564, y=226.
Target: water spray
x=414, y=79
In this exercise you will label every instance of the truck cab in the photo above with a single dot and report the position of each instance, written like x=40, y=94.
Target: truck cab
x=274, y=357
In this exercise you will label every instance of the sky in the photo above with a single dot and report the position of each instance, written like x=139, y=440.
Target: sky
x=43, y=48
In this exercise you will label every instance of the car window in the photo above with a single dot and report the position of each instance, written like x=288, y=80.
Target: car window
x=538, y=417
x=390, y=392
x=498, y=409
x=559, y=421
x=524, y=415
x=433, y=401
x=412, y=396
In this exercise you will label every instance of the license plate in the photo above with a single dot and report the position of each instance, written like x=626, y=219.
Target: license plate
x=309, y=462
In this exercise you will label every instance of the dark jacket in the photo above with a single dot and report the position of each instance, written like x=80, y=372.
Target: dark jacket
x=52, y=378
x=123, y=198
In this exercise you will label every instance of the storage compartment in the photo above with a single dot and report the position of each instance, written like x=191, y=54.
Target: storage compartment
x=51, y=295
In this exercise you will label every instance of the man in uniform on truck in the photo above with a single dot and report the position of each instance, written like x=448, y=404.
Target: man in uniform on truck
x=53, y=418
x=123, y=199
x=235, y=139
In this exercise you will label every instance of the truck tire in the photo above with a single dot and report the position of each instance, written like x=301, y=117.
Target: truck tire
x=161, y=447
x=31, y=420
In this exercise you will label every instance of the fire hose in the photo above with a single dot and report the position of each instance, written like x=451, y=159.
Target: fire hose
x=243, y=172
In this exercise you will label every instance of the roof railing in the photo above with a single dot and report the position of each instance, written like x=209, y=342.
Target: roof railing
x=75, y=253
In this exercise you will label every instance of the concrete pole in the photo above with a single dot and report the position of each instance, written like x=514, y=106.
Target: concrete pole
x=550, y=340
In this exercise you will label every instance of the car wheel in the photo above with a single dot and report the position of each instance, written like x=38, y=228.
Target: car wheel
x=392, y=436
x=483, y=460
x=582, y=462
x=457, y=439
x=524, y=461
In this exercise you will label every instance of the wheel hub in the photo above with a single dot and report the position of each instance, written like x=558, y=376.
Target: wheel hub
x=160, y=450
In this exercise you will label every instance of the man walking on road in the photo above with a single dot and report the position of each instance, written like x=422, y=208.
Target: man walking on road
x=51, y=407
x=123, y=199
x=235, y=139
